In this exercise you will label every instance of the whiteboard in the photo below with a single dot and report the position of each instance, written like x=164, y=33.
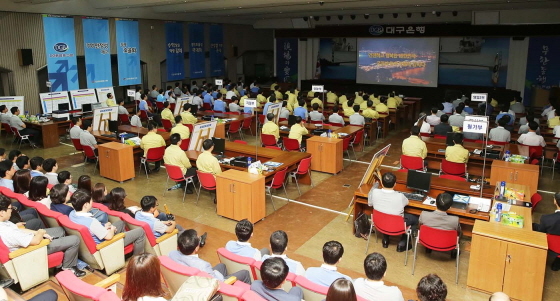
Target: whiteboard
x=80, y=97
x=102, y=94
x=13, y=101
x=180, y=103
x=52, y=100
x=100, y=117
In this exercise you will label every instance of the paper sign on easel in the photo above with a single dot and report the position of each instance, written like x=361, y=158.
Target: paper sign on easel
x=482, y=97
x=130, y=92
x=218, y=82
x=478, y=118
x=180, y=103
x=318, y=88
x=250, y=103
x=275, y=109
x=201, y=132
x=13, y=101
x=101, y=118
x=475, y=127
x=50, y=101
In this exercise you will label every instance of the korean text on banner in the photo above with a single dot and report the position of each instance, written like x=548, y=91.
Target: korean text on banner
x=174, y=49
x=216, y=50
x=128, y=52
x=287, y=60
x=97, y=50
x=60, y=46
x=196, y=50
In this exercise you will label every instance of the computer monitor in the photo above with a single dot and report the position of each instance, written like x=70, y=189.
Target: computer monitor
x=418, y=180
x=449, y=140
x=63, y=106
x=86, y=108
x=219, y=145
x=194, y=110
x=95, y=106
x=113, y=126
x=291, y=120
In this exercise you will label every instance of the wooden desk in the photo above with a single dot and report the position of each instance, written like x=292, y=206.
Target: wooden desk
x=50, y=131
x=326, y=154
x=240, y=195
x=514, y=173
x=116, y=161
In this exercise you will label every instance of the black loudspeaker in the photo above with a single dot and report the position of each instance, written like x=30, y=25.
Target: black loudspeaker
x=235, y=53
x=25, y=57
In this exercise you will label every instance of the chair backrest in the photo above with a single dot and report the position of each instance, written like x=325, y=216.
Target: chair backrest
x=166, y=124
x=304, y=166
x=174, y=172
x=190, y=126
x=76, y=289
x=72, y=228
x=288, y=283
x=452, y=177
x=155, y=153
x=440, y=137
x=77, y=145
x=279, y=178
x=282, y=119
x=247, y=123
x=252, y=296
x=109, y=296
x=185, y=144
x=268, y=140
x=535, y=199
x=291, y=144
x=493, y=142
x=4, y=252
x=452, y=168
x=88, y=151
x=428, y=135
x=206, y=106
x=410, y=162
x=143, y=115
x=311, y=291
x=388, y=223
x=48, y=216
x=553, y=243
x=234, y=126
x=159, y=105
x=437, y=239
x=207, y=180
x=346, y=143
x=7, y=128
x=175, y=274
x=273, y=147
x=235, y=262
x=262, y=118
x=16, y=132
x=337, y=124
x=124, y=118
x=240, y=141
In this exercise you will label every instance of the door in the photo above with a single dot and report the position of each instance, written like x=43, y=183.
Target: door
x=242, y=200
x=501, y=174
x=315, y=149
x=527, y=177
x=524, y=272
x=487, y=263
x=224, y=195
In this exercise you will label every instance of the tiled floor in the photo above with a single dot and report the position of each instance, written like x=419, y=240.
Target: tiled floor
x=310, y=220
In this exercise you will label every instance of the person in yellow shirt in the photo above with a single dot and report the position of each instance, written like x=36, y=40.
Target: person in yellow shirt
x=174, y=155
x=186, y=116
x=349, y=110
x=292, y=101
x=399, y=99
x=278, y=94
x=359, y=98
x=167, y=114
x=298, y=130
x=271, y=128
x=414, y=146
x=392, y=102
x=311, y=94
x=317, y=101
x=332, y=98
x=369, y=112
x=110, y=100
x=180, y=129
x=457, y=153
x=151, y=140
x=273, y=86
x=261, y=99
x=382, y=107
x=552, y=122
x=364, y=104
x=206, y=162
x=374, y=99
x=296, y=92
x=342, y=99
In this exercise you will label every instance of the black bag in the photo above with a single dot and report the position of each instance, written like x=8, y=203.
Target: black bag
x=362, y=225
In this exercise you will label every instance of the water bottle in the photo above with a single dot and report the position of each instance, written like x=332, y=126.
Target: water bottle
x=212, y=118
x=507, y=156
x=502, y=189
x=329, y=133
x=122, y=138
x=498, y=216
x=248, y=161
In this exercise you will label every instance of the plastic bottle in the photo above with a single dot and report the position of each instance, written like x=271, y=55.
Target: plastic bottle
x=248, y=161
x=329, y=133
x=122, y=138
x=502, y=189
x=212, y=118
x=507, y=156
x=498, y=216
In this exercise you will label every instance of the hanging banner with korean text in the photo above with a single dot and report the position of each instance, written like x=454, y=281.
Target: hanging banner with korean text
x=60, y=45
x=287, y=60
x=174, y=48
x=543, y=65
x=128, y=52
x=196, y=50
x=97, y=50
x=216, y=50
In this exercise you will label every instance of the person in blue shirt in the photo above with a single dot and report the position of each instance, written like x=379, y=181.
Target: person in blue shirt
x=301, y=111
x=215, y=92
x=467, y=109
x=143, y=106
x=271, y=100
x=161, y=97
x=36, y=166
x=273, y=273
x=503, y=112
x=242, y=247
x=209, y=98
x=255, y=89
x=327, y=273
x=278, y=246
x=219, y=104
x=149, y=205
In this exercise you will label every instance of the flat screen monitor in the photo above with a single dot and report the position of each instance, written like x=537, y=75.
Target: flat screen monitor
x=95, y=106
x=291, y=120
x=194, y=110
x=449, y=140
x=113, y=126
x=219, y=145
x=419, y=180
x=86, y=107
x=63, y=106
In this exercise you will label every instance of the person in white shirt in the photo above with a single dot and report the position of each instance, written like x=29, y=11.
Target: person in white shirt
x=457, y=119
x=197, y=99
x=335, y=118
x=284, y=113
x=230, y=93
x=356, y=118
x=135, y=120
x=315, y=115
x=500, y=134
x=278, y=246
x=122, y=109
x=233, y=106
x=373, y=287
x=50, y=166
x=4, y=114
x=531, y=138
x=434, y=118
x=138, y=94
x=76, y=130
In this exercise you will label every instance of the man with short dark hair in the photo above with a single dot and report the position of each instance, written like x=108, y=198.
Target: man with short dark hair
x=15, y=122
x=7, y=172
x=373, y=288
x=439, y=219
x=4, y=114
x=278, y=246
x=504, y=110
x=166, y=112
x=356, y=118
x=121, y=109
x=234, y=105
x=110, y=102
x=86, y=138
x=174, y=155
x=457, y=153
x=50, y=166
x=206, y=162
x=457, y=119
x=219, y=104
x=242, y=247
x=431, y=288
x=36, y=166
x=271, y=100
x=180, y=129
x=315, y=115
x=151, y=140
x=135, y=119
x=414, y=146
x=550, y=224
x=301, y=111
x=443, y=127
x=434, y=118
x=186, y=116
x=389, y=201
x=149, y=205
x=335, y=117
x=500, y=133
x=273, y=274
x=76, y=130
x=327, y=273
x=531, y=138
x=271, y=128
x=298, y=130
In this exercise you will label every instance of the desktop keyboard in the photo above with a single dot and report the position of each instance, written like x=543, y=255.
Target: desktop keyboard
x=413, y=196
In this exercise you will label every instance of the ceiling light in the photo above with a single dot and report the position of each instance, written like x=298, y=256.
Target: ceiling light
x=366, y=16
x=395, y=15
x=380, y=16
x=422, y=14
x=409, y=15
x=340, y=17
x=454, y=13
x=353, y=17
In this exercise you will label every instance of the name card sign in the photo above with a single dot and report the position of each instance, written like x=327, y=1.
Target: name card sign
x=219, y=82
x=130, y=92
x=478, y=118
x=318, y=88
x=482, y=97
x=475, y=127
x=250, y=103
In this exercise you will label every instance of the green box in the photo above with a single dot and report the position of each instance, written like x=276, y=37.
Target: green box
x=512, y=219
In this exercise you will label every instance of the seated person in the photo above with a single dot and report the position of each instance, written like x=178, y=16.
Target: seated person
x=110, y=102
x=349, y=109
x=174, y=155
x=242, y=247
x=180, y=129
x=432, y=288
x=149, y=204
x=234, y=105
x=278, y=246
x=447, y=107
x=443, y=128
x=187, y=254
x=167, y=114
x=316, y=100
x=82, y=203
x=554, y=121
x=86, y=138
x=260, y=98
x=457, y=119
x=36, y=164
x=76, y=128
x=335, y=117
x=271, y=100
x=392, y=101
x=531, y=138
x=298, y=130
x=7, y=172
x=271, y=128
x=186, y=116
x=273, y=273
x=439, y=219
x=550, y=224
x=284, y=113
x=369, y=111
x=60, y=197
x=327, y=273
x=504, y=110
x=300, y=111
x=467, y=110
x=373, y=288
x=500, y=133
x=135, y=119
x=16, y=122
x=434, y=118
x=38, y=191
x=388, y=201
x=457, y=153
x=64, y=177
x=150, y=140
x=414, y=146
x=315, y=115
x=332, y=98
x=382, y=107
x=356, y=118
x=219, y=104
x=22, y=162
x=206, y=162
x=15, y=238
x=51, y=168
x=524, y=124
x=122, y=110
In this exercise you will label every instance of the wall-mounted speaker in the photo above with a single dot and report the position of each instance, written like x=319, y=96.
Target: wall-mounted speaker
x=25, y=57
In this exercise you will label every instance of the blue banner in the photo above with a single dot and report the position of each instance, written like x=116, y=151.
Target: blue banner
x=216, y=50
x=60, y=46
x=196, y=50
x=543, y=65
x=97, y=50
x=287, y=60
x=128, y=52
x=174, y=47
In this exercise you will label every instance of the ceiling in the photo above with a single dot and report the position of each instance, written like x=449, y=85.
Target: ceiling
x=249, y=11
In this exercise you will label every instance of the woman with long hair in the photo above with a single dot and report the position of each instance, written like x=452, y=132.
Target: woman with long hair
x=22, y=179
x=115, y=200
x=143, y=279
x=60, y=195
x=341, y=290
x=84, y=182
x=99, y=193
x=38, y=191
x=423, y=125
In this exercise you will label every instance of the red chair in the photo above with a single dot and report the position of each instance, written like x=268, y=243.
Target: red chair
x=234, y=128
x=304, y=167
x=414, y=163
x=554, y=244
x=440, y=137
x=452, y=177
x=493, y=142
x=252, y=296
x=277, y=182
x=429, y=134
x=48, y=216
x=535, y=200
x=291, y=145
x=273, y=147
x=247, y=122
x=536, y=153
x=159, y=106
x=345, y=145
x=190, y=126
x=554, y=160
x=207, y=181
x=185, y=144
x=123, y=118
x=337, y=124
x=21, y=137
x=438, y=240
x=389, y=224
x=282, y=119
x=167, y=125
x=7, y=128
x=452, y=168
x=358, y=139
x=144, y=115
x=77, y=145
x=288, y=283
x=172, y=106
x=176, y=174
x=154, y=154
x=240, y=141
x=268, y=140
x=76, y=289
x=206, y=106
x=262, y=119
x=89, y=153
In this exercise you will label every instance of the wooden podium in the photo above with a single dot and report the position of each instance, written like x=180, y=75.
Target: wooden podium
x=326, y=154
x=116, y=161
x=240, y=195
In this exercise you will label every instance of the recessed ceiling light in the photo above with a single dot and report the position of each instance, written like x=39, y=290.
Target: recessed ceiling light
x=240, y=7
